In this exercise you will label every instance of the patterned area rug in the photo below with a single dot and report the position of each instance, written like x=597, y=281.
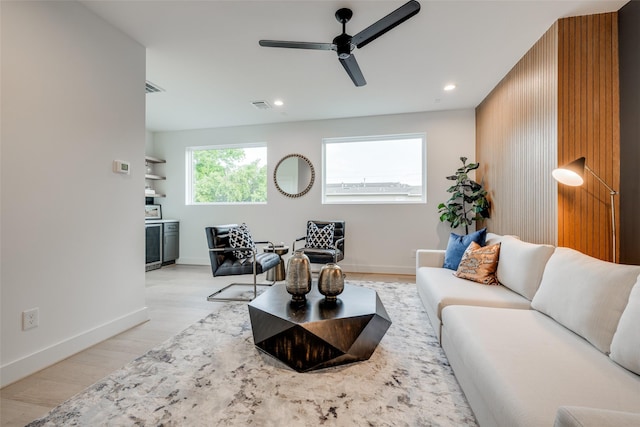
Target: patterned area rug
x=211, y=374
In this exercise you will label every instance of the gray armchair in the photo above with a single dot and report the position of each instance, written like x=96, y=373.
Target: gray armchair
x=225, y=263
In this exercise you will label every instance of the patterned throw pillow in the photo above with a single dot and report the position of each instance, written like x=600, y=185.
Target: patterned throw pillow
x=320, y=238
x=240, y=237
x=480, y=263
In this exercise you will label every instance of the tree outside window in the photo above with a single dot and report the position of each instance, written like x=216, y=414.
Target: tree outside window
x=227, y=174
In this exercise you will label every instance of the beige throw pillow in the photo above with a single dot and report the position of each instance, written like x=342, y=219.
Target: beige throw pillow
x=479, y=263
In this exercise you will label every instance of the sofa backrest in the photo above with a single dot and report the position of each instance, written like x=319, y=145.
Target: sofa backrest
x=585, y=294
x=521, y=264
x=625, y=346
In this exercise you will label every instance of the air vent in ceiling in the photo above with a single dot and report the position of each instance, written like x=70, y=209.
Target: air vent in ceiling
x=261, y=105
x=152, y=88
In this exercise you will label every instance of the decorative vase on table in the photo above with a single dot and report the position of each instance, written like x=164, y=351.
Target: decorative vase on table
x=331, y=282
x=298, y=278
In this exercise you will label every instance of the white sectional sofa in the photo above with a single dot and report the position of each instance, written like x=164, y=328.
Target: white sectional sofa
x=556, y=343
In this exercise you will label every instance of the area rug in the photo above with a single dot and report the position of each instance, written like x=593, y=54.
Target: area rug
x=211, y=374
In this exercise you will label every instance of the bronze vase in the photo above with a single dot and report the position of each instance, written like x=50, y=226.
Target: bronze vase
x=298, y=278
x=331, y=282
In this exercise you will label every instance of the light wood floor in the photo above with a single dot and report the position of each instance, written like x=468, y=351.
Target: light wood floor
x=176, y=298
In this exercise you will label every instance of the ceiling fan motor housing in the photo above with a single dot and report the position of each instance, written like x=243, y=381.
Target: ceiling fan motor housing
x=343, y=45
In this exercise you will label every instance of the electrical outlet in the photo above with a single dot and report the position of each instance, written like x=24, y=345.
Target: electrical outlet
x=30, y=318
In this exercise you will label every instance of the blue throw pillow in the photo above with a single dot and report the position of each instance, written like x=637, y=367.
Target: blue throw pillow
x=458, y=244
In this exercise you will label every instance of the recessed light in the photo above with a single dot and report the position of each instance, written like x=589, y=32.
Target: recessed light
x=278, y=103
x=449, y=87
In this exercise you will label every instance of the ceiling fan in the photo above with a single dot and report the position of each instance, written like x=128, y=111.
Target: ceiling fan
x=344, y=43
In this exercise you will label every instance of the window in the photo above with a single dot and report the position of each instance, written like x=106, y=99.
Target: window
x=227, y=174
x=375, y=169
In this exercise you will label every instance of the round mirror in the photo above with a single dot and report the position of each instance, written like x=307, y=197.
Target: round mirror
x=294, y=175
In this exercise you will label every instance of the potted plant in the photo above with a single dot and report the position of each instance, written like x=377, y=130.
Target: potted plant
x=468, y=200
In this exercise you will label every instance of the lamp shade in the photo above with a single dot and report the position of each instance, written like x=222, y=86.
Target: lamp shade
x=571, y=173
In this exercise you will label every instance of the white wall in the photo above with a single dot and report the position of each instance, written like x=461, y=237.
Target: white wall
x=72, y=231
x=380, y=238
x=148, y=146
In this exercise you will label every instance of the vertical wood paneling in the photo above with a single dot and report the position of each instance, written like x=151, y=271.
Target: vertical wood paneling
x=588, y=125
x=560, y=102
x=516, y=145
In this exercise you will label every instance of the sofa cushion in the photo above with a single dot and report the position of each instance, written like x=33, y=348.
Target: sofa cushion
x=577, y=416
x=458, y=244
x=479, y=264
x=517, y=367
x=625, y=347
x=585, y=294
x=522, y=264
x=438, y=288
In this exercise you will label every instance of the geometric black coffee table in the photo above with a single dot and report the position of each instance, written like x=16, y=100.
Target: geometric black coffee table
x=318, y=335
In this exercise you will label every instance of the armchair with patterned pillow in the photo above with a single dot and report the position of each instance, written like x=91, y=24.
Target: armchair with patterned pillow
x=324, y=241
x=232, y=251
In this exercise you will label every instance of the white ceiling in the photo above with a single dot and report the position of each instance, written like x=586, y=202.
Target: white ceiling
x=205, y=54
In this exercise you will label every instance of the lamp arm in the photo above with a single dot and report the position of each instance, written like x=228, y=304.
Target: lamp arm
x=612, y=193
x=611, y=190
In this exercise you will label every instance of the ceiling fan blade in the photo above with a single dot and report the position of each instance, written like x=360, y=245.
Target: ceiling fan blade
x=353, y=69
x=385, y=24
x=297, y=45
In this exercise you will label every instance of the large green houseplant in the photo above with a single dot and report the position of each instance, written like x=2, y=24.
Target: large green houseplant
x=468, y=202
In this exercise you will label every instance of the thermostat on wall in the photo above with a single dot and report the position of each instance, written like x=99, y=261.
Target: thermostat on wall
x=120, y=166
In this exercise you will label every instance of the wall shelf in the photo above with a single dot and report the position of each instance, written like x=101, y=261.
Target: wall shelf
x=152, y=176
x=150, y=159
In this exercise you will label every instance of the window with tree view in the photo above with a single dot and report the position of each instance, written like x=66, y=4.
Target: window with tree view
x=375, y=169
x=229, y=174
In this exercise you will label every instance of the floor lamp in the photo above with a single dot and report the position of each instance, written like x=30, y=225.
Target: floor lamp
x=573, y=174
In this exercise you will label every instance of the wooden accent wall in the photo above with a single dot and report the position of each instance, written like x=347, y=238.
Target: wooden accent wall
x=560, y=102
x=516, y=140
x=588, y=126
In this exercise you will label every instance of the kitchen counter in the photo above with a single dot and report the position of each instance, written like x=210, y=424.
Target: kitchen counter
x=159, y=221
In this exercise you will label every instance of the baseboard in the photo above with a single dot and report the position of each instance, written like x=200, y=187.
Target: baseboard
x=25, y=366
x=346, y=267
x=194, y=261
x=378, y=269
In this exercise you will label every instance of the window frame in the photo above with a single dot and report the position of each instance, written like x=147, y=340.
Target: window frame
x=392, y=137
x=190, y=178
